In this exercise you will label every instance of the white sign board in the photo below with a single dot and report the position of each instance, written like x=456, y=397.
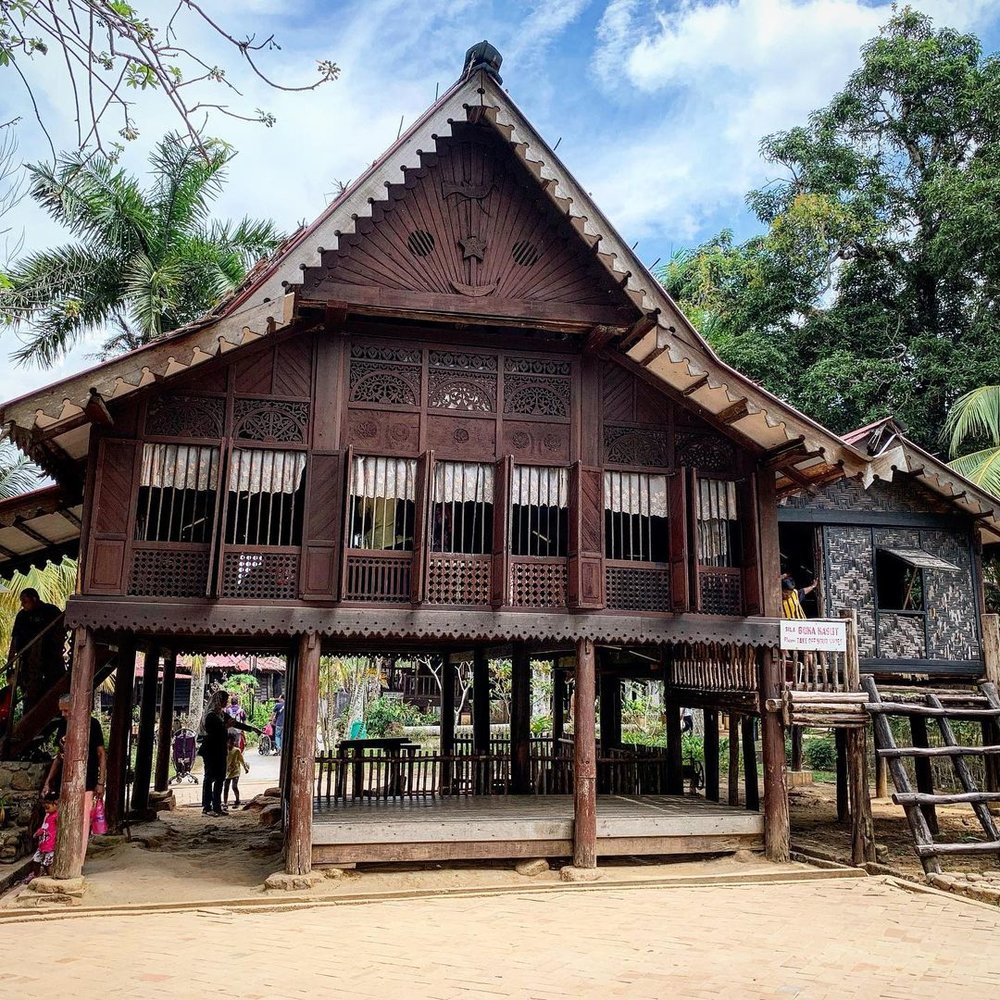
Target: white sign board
x=822, y=635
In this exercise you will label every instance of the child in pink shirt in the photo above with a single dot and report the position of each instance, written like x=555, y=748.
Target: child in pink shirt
x=46, y=837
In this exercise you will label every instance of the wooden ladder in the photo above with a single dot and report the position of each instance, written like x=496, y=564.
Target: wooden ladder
x=920, y=804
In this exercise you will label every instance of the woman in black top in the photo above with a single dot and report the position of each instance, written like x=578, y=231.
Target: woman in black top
x=214, y=746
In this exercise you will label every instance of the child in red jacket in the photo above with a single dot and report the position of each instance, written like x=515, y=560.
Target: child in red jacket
x=46, y=837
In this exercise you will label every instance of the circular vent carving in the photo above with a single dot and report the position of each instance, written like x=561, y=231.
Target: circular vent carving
x=525, y=253
x=420, y=242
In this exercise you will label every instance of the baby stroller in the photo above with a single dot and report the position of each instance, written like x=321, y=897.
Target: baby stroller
x=184, y=745
x=265, y=746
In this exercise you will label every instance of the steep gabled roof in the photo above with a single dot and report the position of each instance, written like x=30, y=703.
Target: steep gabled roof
x=891, y=452
x=51, y=423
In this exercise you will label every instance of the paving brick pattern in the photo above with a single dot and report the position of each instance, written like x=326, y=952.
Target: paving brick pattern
x=852, y=939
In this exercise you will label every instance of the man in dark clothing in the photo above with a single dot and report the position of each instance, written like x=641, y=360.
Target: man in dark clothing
x=278, y=721
x=42, y=663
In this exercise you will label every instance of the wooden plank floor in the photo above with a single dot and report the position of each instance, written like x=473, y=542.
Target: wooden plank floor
x=526, y=826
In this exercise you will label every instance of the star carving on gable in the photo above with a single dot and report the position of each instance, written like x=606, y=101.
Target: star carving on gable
x=473, y=246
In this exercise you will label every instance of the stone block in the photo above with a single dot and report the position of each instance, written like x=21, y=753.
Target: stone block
x=48, y=886
x=284, y=882
x=533, y=866
x=573, y=874
x=796, y=779
x=273, y=792
x=270, y=815
x=162, y=801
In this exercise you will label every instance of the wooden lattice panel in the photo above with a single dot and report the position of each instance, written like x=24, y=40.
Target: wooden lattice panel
x=637, y=588
x=378, y=577
x=469, y=223
x=260, y=576
x=458, y=579
x=536, y=583
x=721, y=592
x=168, y=573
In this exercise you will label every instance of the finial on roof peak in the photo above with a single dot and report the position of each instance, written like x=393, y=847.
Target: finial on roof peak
x=483, y=56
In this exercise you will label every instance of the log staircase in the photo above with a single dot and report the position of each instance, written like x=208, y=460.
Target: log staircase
x=941, y=709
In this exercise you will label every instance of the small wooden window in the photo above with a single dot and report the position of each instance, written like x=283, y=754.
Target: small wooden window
x=383, y=503
x=718, y=523
x=539, y=511
x=462, y=508
x=635, y=517
x=266, y=493
x=177, y=493
x=899, y=585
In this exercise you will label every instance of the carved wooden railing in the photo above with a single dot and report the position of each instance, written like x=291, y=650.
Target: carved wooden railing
x=721, y=590
x=254, y=573
x=714, y=666
x=169, y=569
x=632, y=586
x=538, y=582
x=381, y=577
x=456, y=578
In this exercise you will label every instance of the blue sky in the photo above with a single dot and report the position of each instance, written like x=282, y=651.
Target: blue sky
x=659, y=105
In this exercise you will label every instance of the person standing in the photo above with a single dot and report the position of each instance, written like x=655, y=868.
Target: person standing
x=236, y=711
x=97, y=766
x=278, y=721
x=41, y=664
x=235, y=762
x=791, y=597
x=214, y=732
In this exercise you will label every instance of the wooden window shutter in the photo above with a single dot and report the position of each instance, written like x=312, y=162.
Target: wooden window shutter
x=425, y=465
x=111, y=515
x=500, y=573
x=746, y=505
x=324, y=514
x=680, y=543
x=586, y=537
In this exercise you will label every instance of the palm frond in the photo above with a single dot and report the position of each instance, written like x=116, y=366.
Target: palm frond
x=17, y=473
x=982, y=468
x=974, y=416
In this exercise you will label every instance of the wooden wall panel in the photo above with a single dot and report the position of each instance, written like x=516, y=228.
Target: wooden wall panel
x=383, y=432
x=254, y=374
x=536, y=442
x=456, y=437
x=111, y=513
x=586, y=556
x=322, y=543
x=293, y=367
x=679, y=540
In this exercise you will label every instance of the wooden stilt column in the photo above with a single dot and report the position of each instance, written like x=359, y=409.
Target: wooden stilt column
x=734, y=759
x=166, y=722
x=121, y=729
x=520, y=721
x=711, y=744
x=71, y=842
x=990, y=727
x=480, y=702
x=302, y=751
x=776, y=819
x=862, y=824
x=584, y=760
x=610, y=687
x=447, y=728
x=558, y=705
x=796, y=748
x=840, y=741
x=147, y=720
x=750, y=779
x=922, y=768
x=675, y=756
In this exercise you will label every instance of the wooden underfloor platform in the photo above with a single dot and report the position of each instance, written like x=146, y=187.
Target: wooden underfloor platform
x=526, y=826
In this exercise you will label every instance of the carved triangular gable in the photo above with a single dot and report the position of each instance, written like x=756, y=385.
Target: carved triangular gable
x=470, y=223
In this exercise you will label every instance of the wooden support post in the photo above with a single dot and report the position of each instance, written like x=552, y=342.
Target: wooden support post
x=584, y=760
x=302, y=750
x=147, y=720
x=734, y=759
x=675, y=755
x=862, y=824
x=610, y=688
x=991, y=666
x=881, y=777
x=121, y=730
x=520, y=720
x=751, y=782
x=480, y=701
x=166, y=723
x=558, y=706
x=922, y=769
x=776, y=821
x=711, y=744
x=71, y=841
x=840, y=740
x=449, y=673
x=796, y=748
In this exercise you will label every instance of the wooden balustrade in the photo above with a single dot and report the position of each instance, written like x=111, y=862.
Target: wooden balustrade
x=714, y=666
x=383, y=577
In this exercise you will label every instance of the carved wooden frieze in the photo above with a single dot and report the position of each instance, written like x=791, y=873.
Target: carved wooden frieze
x=278, y=420
x=176, y=415
x=380, y=433
x=546, y=442
x=705, y=452
x=636, y=446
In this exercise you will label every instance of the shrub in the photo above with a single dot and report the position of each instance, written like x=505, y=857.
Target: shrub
x=821, y=754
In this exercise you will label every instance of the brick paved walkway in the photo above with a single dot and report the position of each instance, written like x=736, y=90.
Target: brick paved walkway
x=863, y=939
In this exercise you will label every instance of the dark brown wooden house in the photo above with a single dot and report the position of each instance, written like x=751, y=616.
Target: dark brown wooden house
x=455, y=414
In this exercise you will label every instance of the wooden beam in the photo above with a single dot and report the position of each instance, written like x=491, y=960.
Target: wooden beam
x=30, y=532
x=584, y=760
x=776, y=819
x=121, y=730
x=97, y=411
x=298, y=848
x=68, y=515
x=166, y=722
x=639, y=329
x=733, y=412
x=74, y=818
x=697, y=384
x=449, y=675
x=711, y=754
x=520, y=720
x=147, y=719
x=781, y=450
x=598, y=338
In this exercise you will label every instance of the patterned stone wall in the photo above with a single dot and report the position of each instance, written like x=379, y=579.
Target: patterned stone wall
x=851, y=581
x=903, y=494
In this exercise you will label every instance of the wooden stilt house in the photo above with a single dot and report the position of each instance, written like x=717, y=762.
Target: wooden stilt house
x=455, y=414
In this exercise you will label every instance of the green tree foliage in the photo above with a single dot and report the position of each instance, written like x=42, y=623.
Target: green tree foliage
x=874, y=288
x=974, y=421
x=17, y=474
x=143, y=262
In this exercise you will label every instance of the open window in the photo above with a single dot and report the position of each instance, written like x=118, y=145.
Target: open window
x=382, y=512
x=177, y=493
x=461, y=516
x=539, y=511
x=266, y=493
x=718, y=524
x=635, y=517
x=899, y=577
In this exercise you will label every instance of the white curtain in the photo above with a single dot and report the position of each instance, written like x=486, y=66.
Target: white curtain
x=716, y=500
x=459, y=482
x=180, y=466
x=635, y=493
x=716, y=522
x=261, y=470
x=540, y=486
x=388, y=478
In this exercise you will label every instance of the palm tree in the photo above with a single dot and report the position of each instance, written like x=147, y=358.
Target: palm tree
x=975, y=419
x=55, y=584
x=17, y=474
x=144, y=262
